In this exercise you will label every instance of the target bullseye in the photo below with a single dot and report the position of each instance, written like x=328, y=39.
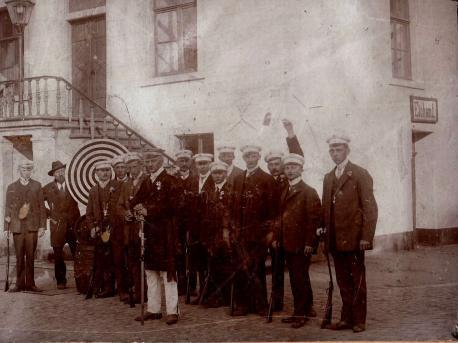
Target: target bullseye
x=80, y=172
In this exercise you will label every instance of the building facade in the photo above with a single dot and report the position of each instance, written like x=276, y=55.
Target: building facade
x=197, y=73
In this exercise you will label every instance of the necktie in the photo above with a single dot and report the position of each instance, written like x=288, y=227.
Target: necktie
x=339, y=171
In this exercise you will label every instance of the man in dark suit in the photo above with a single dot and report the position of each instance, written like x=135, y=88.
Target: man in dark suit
x=275, y=167
x=226, y=154
x=214, y=221
x=25, y=214
x=252, y=214
x=129, y=190
x=101, y=217
x=156, y=202
x=350, y=217
x=296, y=224
x=63, y=212
x=201, y=186
x=119, y=234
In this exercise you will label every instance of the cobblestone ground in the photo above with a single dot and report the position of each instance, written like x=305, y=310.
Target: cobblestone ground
x=412, y=295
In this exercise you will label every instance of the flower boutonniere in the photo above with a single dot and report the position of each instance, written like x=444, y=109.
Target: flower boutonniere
x=221, y=195
x=112, y=189
x=349, y=173
x=158, y=185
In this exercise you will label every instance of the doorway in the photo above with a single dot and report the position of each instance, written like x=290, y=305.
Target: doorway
x=89, y=60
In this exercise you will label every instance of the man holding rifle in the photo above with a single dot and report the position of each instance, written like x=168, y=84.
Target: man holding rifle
x=297, y=221
x=25, y=218
x=155, y=201
x=350, y=217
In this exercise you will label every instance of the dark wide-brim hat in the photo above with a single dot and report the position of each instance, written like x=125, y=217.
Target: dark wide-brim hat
x=56, y=165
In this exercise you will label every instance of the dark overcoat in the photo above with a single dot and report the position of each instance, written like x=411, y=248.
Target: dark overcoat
x=63, y=212
x=355, y=208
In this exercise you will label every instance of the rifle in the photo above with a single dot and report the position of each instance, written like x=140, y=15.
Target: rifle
x=207, y=281
x=7, y=283
x=188, y=272
x=328, y=309
x=142, y=267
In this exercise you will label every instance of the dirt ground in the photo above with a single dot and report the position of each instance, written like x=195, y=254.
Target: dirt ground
x=412, y=295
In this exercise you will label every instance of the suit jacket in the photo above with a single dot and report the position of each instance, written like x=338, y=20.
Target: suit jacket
x=36, y=217
x=355, y=208
x=94, y=211
x=252, y=208
x=161, y=235
x=63, y=212
x=214, y=216
x=127, y=193
x=299, y=217
x=236, y=171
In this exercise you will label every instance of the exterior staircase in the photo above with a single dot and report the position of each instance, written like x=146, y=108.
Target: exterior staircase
x=51, y=101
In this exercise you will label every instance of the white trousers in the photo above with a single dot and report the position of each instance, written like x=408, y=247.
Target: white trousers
x=153, y=279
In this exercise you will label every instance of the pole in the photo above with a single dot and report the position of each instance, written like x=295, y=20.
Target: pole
x=21, y=71
x=7, y=283
x=142, y=269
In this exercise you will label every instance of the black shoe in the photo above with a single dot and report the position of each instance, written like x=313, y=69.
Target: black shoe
x=149, y=316
x=104, y=294
x=289, y=320
x=299, y=322
x=359, y=328
x=343, y=325
x=172, y=319
x=15, y=289
x=34, y=289
x=61, y=286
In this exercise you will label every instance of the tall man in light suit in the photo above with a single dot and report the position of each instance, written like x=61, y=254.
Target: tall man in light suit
x=25, y=214
x=349, y=216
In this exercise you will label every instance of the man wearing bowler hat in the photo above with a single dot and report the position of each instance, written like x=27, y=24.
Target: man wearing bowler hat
x=25, y=214
x=63, y=212
x=349, y=216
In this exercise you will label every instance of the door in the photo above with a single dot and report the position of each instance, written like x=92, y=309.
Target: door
x=89, y=60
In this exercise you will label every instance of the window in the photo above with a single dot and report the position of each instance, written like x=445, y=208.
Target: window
x=80, y=5
x=400, y=39
x=9, y=49
x=175, y=36
x=197, y=143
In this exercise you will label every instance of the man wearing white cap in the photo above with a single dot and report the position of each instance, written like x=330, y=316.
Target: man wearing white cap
x=188, y=184
x=275, y=167
x=350, y=217
x=101, y=216
x=226, y=154
x=214, y=219
x=25, y=218
x=156, y=201
x=252, y=214
x=129, y=189
x=118, y=234
x=296, y=225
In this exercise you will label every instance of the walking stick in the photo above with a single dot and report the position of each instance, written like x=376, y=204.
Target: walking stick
x=188, y=272
x=7, y=283
x=142, y=268
x=272, y=293
x=328, y=309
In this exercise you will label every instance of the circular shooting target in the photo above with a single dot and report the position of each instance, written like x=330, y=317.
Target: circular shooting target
x=80, y=172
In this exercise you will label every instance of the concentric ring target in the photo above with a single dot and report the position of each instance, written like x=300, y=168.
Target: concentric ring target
x=80, y=173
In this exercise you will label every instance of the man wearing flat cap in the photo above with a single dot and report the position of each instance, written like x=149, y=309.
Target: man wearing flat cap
x=251, y=216
x=101, y=217
x=214, y=223
x=129, y=190
x=350, y=217
x=25, y=215
x=156, y=201
x=226, y=154
x=63, y=212
x=295, y=227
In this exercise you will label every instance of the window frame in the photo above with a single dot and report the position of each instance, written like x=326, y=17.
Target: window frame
x=179, y=7
x=14, y=37
x=407, y=53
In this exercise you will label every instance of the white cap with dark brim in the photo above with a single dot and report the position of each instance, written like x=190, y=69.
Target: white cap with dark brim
x=250, y=148
x=203, y=157
x=293, y=159
x=183, y=154
x=273, y=155
x=225, y=148
x=338, y=139
x=104, y=164
x=132, y=156
x=218, y=166
x=117, y=160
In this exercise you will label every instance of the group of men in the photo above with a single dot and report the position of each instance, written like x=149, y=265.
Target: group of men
x=210, y=226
